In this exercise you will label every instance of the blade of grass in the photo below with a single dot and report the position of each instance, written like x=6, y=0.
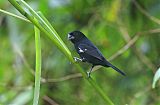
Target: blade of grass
x=38, y=66
x=11, y=14
x=48, y=34
x=47, y=22
x=52, y=32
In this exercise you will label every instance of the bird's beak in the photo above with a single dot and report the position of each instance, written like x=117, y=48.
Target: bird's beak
x=70, y=37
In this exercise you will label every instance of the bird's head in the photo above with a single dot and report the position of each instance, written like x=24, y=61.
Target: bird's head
x=75, y=36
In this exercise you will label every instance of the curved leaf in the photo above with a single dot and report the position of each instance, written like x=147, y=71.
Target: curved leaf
x=156, y=77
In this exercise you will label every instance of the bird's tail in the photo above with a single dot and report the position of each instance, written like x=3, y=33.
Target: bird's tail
x=115, y=68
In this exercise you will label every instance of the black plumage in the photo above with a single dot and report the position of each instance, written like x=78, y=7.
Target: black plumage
x=88, y=51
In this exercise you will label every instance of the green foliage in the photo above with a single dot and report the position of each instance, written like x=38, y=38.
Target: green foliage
x=38, y=66
x=110, y=24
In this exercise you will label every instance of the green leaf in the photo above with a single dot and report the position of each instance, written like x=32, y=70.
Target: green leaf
x=38, y=66
x=156, y=77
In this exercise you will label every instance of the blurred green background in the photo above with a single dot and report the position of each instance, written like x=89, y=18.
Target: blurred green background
x=110, y=25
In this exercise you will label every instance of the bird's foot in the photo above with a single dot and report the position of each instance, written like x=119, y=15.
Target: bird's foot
x=76, y=59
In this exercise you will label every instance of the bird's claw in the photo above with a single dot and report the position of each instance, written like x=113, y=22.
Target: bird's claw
x=77, y=59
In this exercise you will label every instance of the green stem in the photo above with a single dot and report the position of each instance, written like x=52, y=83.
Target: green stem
x=100, y=91
x=11, y=14
x=37, y=24
x=38, y=66
x=94, y=84
x=52, y=32
x=47, y=22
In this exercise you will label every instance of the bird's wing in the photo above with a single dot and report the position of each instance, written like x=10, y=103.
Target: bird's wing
x=90, y=50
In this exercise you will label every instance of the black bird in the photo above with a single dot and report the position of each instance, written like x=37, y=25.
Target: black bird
x=88, y=51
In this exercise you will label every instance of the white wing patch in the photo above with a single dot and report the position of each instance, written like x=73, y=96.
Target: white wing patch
x=80, y=50
x=90, y=50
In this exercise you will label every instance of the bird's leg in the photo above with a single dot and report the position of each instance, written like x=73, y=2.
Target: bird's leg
x=89, y=73
x=84, y=60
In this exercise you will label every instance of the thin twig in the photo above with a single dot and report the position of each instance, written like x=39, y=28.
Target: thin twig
x=144, y=59
x=19, y=52
x=16, y=87
x=156, y=20
x=140, y=94
x=49, y=100
x=32, y=71
x=71, y=76
x=126, y=47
